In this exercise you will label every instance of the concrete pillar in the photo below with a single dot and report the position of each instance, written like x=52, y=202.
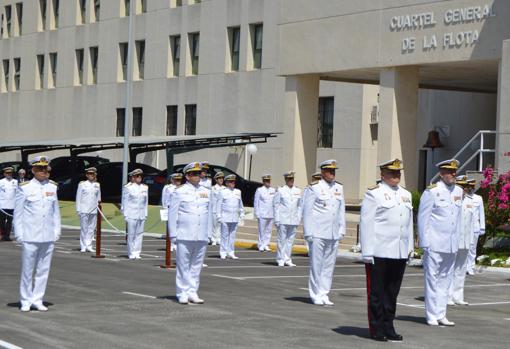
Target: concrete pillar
x=503, y=111
x=301, y=110
x=398, y=110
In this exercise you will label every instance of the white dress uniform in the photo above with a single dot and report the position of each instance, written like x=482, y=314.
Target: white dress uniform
x=465, y=233
x=36, y=227
x=189, y=220
x=88, y=195
x=479, y=229
x=8, y=189
x=206, y=182
x=135, y=198
x=264, y=212
x=216, y=233
x=438, y=218
x=287, y=216
x=324, y=226
x=167, y=192
x=230, y=212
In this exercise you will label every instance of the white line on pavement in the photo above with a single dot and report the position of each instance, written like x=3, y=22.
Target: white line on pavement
x=138, y=294
x=409, y=287
x=227, y=277
x=8, y=345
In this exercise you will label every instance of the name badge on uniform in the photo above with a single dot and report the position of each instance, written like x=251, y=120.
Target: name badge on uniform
x=203, y=195
x=456, y=198
x=49, y=193
x=405, y=199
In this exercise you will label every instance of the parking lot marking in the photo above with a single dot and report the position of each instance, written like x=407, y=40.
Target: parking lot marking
x=138, y=294
x=7, y=345
x=412, y=287
x=489, y=303
x=419, y=306
x=227, y=277
x=305, y=276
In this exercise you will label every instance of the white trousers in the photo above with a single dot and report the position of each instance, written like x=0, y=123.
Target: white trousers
x=135, y=237
x=35, y=268
x=286, y=235
x=265, y=228
x=216, y=233
x=323, y=254
x=189, y=261
x=459, y=276
x=88, y=223
x=228, y=238
x=438, y=267
x=471, y=259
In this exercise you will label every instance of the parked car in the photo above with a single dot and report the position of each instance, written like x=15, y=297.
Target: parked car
x=62, y=167
x=246, y=186
x=16, y=165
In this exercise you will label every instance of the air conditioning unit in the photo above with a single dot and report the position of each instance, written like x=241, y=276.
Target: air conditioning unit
x=374, y=115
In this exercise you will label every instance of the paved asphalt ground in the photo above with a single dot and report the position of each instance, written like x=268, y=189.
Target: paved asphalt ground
x=250, y=303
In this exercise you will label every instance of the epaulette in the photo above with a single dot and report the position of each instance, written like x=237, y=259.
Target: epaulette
x=314, y=183
x=374, y=187
x=432, y=186
x=337, y=182
x=128, y=184
x=24, y=183
x=53, y=182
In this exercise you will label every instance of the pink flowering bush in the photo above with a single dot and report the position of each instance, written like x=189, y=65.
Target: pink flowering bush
x=497, y=213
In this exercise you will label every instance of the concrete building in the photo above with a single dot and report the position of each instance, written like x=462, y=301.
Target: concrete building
x=360, y=81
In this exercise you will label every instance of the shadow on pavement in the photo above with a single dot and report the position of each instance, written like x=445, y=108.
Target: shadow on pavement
x=306, y=300
x=361, y=332
x=417, y=319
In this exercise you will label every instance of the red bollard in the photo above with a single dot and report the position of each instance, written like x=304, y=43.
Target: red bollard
x=98, y=234
x=168, y=252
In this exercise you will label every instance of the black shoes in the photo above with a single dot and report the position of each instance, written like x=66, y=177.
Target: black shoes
x=394, y=337
x=380, y=338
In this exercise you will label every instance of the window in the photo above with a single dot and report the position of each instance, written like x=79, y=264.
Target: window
x=120, y=122
x=194, y=43
x=256, y=43
x=8, y=20
x=19, y=16
x=97, y=10
x=5, y=67
x=94, y=55
x=1, y=26
x=141, y=6
x=17, y=73
x=325, y=127
x=83, y=11
x=40, y=71
x=53, y=69
x=197, y=1
x=178, y=3
x=123, y=51
x=79, y=66
x=137, y=122
x=42, y=9
x=175, y=54
x=56, y=13
x=171, y=120
x=127, y=7
x=190, y=127
x=234, y=37
x=140, y=57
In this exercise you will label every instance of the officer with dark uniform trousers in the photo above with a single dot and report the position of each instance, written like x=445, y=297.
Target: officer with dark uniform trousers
x=36, y=228
x=8, y=188
x=438, y=219
x=386, y=232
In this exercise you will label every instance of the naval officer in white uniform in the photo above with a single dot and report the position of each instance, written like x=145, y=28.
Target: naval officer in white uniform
x=324, y=227
x=264, y=212
x=386, y=234
x=175, y=182
x=189, y=221
x=88, y=196
x=287, y=205
x=8, y=188
x=230, y=213
x=438, y=219
x=219, y=177
x=135, y=200
x=479, y=228
x=36, y=228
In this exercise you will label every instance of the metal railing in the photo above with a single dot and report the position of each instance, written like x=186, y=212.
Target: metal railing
x=481, y=136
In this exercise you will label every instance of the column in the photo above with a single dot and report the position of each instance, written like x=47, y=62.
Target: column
x=503, y=111
x=398, y=110
x=300, y=126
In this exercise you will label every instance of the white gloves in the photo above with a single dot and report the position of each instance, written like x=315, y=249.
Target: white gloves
x=19, y=239
x=173, y=240
x=368, y=260
x=241, y=222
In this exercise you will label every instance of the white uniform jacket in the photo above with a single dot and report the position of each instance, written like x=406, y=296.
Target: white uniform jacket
x=479, y=219
x=386, y=224
x=215, y=193
x=167, y=192
x=230, y=207
x=206, y=182
x=190, y=213
x=438, y=218
x=263, y=202
x=135, y=198
x=36, y=212
x=8, y=190
x=287, y=205
x=467, y=220
x=87, y=197
x=324, y=211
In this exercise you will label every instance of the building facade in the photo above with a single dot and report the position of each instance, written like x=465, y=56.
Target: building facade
x=357, y=81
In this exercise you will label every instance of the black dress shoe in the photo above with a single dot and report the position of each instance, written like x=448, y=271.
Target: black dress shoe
x=380, y=338
x=394, y=337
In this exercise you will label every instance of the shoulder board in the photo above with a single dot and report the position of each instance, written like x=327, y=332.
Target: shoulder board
x=432, y=186
x=314, y=183
x=53, y=182
x=337, y=182
x=127, y=184
x=24, y=183
x=374, y=187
